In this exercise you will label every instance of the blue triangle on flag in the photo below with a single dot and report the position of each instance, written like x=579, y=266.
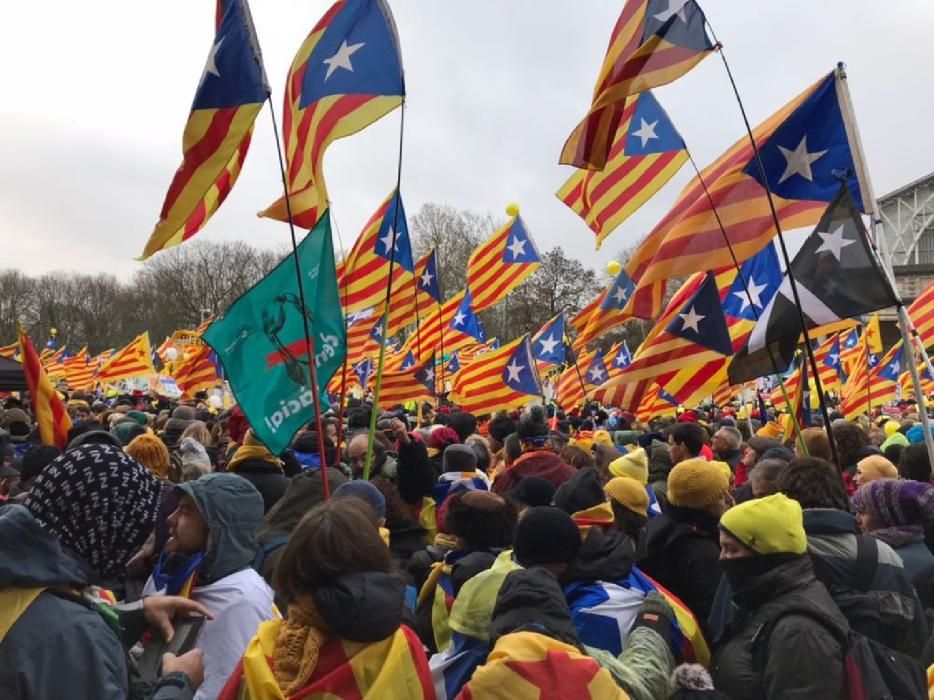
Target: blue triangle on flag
x=650, y=130
x=519, y=373
x=701, y=319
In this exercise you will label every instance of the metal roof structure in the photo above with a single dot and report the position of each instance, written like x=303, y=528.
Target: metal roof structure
x=908, y=222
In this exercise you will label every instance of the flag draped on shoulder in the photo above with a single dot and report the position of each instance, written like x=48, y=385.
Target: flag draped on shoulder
x=804, y=149
x=498, y=380
x=362, y=276
x=653, y=43
x=133, y=360
x=501, y=263
x=217, y=135
x=837, y=276
x=260, y=341
x=51, y=415
x=646, y=154
x=346, y=75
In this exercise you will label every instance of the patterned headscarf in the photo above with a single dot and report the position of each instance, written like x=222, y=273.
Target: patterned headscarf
x=99, y=502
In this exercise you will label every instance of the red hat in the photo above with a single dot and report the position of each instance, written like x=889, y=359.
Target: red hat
x=688, y=416
x=443, y=436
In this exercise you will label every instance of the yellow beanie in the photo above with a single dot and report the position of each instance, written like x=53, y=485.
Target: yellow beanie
x=876, y=467
x=771, y=430
x=891, y=427
x=696, y=483
x=633, y=464
x=602, y=437
x=629, y=493
x=151, y=452
x=722, y=466
x=770, y=525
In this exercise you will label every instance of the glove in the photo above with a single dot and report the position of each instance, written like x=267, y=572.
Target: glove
x=656, y=614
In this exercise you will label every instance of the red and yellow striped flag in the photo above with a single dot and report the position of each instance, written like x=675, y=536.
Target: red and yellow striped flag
x=51, y=415
x=646, y=49
x=921, y=312
x=438, y=322
x=416, y=383
x=572, y=382
x=497, y=380
x=501, y=263
x=855, y=400
x=656, y=402
x=131, y=361
x=196, y=372
x=646, y=154
x=9, y=351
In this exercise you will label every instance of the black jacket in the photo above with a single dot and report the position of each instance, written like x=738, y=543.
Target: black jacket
x=683, y=554
x=802, y=659
x=268, y=480
x=603, y=556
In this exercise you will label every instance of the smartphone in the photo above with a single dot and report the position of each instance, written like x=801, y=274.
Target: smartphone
x=187, y=630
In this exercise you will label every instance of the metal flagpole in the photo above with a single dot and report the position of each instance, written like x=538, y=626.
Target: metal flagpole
x=869, y=200
x=385, y=321
x=309, y=341
x=792, y=283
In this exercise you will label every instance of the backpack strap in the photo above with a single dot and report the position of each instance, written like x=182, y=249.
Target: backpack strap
x=867, y=561
x=264, y=550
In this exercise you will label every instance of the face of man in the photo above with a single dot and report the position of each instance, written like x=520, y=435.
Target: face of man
x=80, y=415
x=720, y=443
x=188, y=531
x=732, y=548
x=331, y=431
x=678, y=453
x=356, y=454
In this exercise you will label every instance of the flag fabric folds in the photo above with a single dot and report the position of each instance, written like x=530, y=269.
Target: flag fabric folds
x=921, y=312
x=498, y=380
x=548, y=343
x=465, y=320
x=346, y=75
x=217, y=135
x=646, y=154
x=837, y=277
x=803, y=148
x=827, y=357
x=9, y=351
x=51, y=415
x=260, y=341
x=653, y=43
x=362, y=276
x=197, y=372
x=133, y=360
x=573, y=385
x=609, y=312
x=501, y=263
x=408, y=383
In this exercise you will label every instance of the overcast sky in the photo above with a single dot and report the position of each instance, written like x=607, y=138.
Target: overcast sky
x=96, y=97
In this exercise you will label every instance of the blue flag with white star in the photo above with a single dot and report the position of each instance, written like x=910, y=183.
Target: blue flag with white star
x=394, y=232
x=701, y=319
x=762, y=275
x=519, y=375
x=651, y=131
x=428, y=281
x=466, y=321
x=426, y=374
x=832, y=358
x=851, y=339
x=519, y=247
x=363, y=369
x=596, y=373
x=408, y=362
x=376, y=332
x=893, y=368
x=623, y=358
x=454, y=366
x=358, y=54
x=617, y=296
x=548, y=343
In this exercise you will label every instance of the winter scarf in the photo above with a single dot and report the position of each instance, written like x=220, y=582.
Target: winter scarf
x=99, y=502
x=252, y=450
x=298, y=645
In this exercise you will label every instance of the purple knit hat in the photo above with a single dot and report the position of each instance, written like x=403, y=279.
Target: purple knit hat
x=897, y=502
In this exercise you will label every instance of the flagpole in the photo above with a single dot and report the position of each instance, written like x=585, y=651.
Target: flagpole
x=441, y=330
x=309, y=341
x=340, y=410
x=739, y=272
x=580, y=377
x=792, y=282
x=385, y=321
x=869, y=199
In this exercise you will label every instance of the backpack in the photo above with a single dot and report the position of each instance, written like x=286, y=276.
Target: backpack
x=265, y=549
x=862, y=610
x=871, y=671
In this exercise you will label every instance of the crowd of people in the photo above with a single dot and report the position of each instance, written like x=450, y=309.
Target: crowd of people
x=167, y=553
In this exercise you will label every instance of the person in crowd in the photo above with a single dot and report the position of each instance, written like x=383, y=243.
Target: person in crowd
x=630, y=503
x=194, y=460
x=576, y=457
x=255, y=463
x=783, y=642
x=182, y=417
x=499, y=428
x=537, y=456
x=872, y=468
x=817, y=443
x=764, y=477
x=31, y=465
x=915, y=464
x=89, y=511
x=686, y=440
x=681, y=545
x=208, y=558
x=532, y=491
x=835, y=547
x=635, y=464
x=726, y=444
x=756, y=446
x=151, y=452
x=896, y=512
x=344, y=634
x=850, y=439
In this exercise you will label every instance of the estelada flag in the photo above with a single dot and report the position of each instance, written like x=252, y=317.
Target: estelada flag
x=395, y=667
x=498, y=380
x=51, y=415
x=921, y=312
x=502, y=262
x=133, y=360
x=197, y=372
x=346, y=75
x=653, y=43
x=414, y=383
x=217, y=135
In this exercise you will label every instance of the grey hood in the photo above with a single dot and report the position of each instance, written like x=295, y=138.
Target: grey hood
x=233, y=510
x=30, y=556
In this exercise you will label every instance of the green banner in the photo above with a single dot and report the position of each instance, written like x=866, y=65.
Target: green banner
x=260, y=340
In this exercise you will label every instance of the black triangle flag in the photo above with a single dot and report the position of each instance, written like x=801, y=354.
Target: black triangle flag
x=837, y=277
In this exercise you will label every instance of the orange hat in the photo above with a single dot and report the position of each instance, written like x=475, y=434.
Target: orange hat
x=151, y=452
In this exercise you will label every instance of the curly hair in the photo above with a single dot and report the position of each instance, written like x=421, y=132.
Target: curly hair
x=576, y=457
x=483, y=520
x=849, y=438
x=814, y=483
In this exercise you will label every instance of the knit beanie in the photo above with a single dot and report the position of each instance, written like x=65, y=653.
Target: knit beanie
x=602, y=437
x=895, y=438
x=915, y=434
x=546, y=535
x=897, y=502
x=151, y=452
x=441, y=437
x=770, y=525
x=195, y=458
x=635, y=465
x=891, y=427
x=695, y=483
x=532, y=491
x=628, y=493
x=876, y=467
x=580, y=492
x=183, y=413
x=366, y=492
x=139, y=417
x=126, y=430
x=458, y=458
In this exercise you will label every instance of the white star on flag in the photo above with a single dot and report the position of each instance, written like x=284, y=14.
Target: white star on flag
x=517, y=247
x=833, y=242
x=514, y=368
x=341, y=59
x=210, y=66
x=390, y=240
x=691, y=320
x=675, y=7
x=620, y=294
x=426, y=279
x=646, y=131
x=548, y=344
x=755, y=294
x=459, y=318
x=798, y=161
x=596, y=374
